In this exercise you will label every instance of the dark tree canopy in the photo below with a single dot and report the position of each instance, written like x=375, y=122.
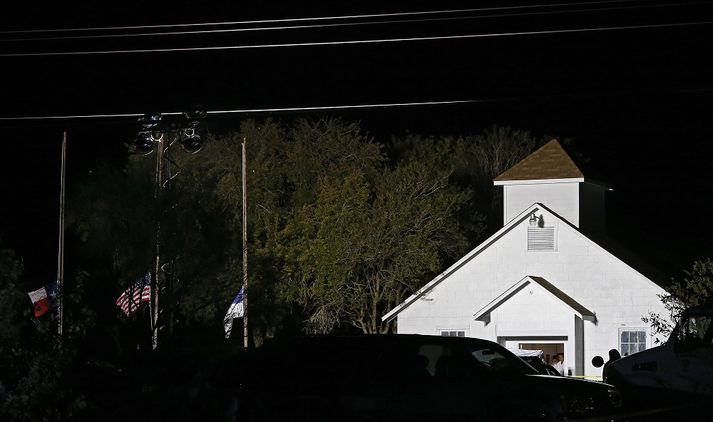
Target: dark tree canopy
x=341, y=228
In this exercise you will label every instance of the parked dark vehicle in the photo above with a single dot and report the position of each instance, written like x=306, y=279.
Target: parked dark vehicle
x=409, y=377
x=540, y=366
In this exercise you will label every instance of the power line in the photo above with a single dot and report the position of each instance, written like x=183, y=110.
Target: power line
x=342, y=25
x=358, y=42
x=318, y=18
x=248, y=110
x=337, y=107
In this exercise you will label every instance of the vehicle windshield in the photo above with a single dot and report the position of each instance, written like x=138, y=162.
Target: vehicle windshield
x=500, y=361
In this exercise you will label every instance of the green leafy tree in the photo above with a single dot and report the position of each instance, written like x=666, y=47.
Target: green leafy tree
x=209, y=190
x=694, y=289
x=285, y=166
x=474, y=161
x=365, y=244
x=297, y=176
x=112, y=212
x=111, y=220
x=14, y=305
x=35, y=363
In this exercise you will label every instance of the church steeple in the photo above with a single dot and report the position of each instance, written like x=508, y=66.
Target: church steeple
x=550, y=176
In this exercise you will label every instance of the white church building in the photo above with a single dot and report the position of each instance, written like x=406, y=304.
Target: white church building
x=541, y=282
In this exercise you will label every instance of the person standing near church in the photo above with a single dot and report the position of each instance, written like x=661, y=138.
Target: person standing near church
x=614, y=356
x=557, y=364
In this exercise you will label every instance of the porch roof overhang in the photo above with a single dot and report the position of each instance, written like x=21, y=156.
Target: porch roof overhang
x=577, y=308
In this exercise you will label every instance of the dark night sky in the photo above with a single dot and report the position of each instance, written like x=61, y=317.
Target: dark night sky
x=636, y=102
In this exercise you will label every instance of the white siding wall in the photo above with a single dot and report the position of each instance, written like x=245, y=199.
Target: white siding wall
x=562, y=198
x=616, y=293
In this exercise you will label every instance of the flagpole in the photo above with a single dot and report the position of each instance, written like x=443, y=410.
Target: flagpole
x=245, y=249
x=60, y=250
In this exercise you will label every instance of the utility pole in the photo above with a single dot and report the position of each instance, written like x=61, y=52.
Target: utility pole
x=60, y=251
x=157, y=246
x=246, y=336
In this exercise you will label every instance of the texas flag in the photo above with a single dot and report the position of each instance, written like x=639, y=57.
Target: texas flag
x=44, y=298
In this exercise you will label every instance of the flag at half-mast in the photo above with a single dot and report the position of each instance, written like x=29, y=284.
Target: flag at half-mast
x=45, y=298
x=236, y=310
x=139, y=291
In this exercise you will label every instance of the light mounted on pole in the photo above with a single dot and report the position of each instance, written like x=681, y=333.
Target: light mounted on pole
x=191, y=141
x=157, y=132
x=144, y=143
x=191, y=138
x=186, y=129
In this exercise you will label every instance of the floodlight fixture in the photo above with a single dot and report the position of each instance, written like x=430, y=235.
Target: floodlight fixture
x=194, y=116
x=191, y=140
x=150, y=121
x=144, y=143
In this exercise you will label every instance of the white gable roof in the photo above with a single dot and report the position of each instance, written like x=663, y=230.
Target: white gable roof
x=577, y=308
x=490, y=241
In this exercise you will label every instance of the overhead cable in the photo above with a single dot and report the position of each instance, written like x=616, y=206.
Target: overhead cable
x=356, y=42
x=317, y=18
x=338, y=25
x=247, y=110
x=235, y=111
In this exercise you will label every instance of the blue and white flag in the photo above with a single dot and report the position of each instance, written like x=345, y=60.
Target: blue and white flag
x=236, y=310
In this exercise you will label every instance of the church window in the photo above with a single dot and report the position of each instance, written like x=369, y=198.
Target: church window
x=632, y=340
x=453, y=333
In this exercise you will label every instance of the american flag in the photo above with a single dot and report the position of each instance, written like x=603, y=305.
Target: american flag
x=139, y=291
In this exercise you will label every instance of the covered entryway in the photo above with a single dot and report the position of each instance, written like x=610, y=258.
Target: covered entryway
x=534, y=314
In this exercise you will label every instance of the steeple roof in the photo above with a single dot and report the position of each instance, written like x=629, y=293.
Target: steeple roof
x=549, y=162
